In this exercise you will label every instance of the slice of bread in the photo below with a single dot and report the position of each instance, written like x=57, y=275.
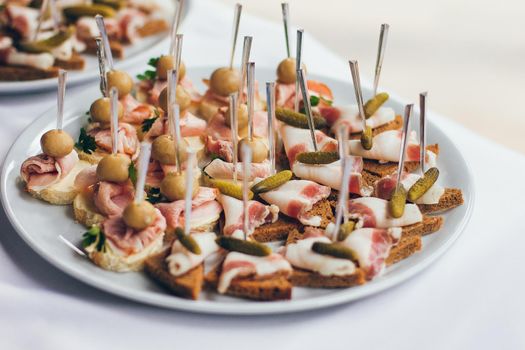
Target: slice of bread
x=430, y=224
x=20, y=73
x=453, y=197
x=152, y=27
x=85, y=211
x=275, y=231
x=188, y=285
x=406, y=246
x=395, y=124
x=275, y=287
x=76, y=62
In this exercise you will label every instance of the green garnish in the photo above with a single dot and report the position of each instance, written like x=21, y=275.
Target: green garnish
x=132, y=173
x=150, y=74
x=314, y=101
x=86, y=143
x=148, y=123
x=154, y=196
x=92, y=236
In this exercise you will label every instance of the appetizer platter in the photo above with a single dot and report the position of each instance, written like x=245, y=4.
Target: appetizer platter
x=211, y=195
x=37, y=38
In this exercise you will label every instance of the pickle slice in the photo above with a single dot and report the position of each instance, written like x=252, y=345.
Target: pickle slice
x=318, y=157
x=372, y=105
x=75, y=12
x=48, y=44
x=272, y=182
x=242, y=246
x=345, y=230
x=334, y=249
x=397, y=202
x=187, y=241
x=298, y=120
x=115, y=4
x=423, y=184
x=367, y=138
x=229, y=188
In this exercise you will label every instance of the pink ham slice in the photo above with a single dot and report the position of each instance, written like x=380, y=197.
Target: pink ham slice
x=296, y=197
x=41, y=171
x=220, y=169
x=112, y=198
x=86, y=178
x=373, y=212
x=204, y=206
x=128, y=240
x=298, y=140
x=134, y=111
x=258, y=214
x=128, y=141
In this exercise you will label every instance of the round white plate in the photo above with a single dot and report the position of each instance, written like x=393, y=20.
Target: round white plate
x=39, y=224
x=137, y=54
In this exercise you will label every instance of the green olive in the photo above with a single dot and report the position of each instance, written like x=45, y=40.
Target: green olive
x=100, y=110
x=182, y=98
x=173, y=186
x=57, y=143
x=242, y=117
x=259, y=149
x=121, y=80
x=224, y=81
x=139, y=215
x=113, y=168
x=163, y=150
x=166, y=63
x=286, y=72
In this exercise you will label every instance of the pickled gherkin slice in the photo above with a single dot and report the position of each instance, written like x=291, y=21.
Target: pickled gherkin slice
x=298, y=120
x=372, y=105
x=367, y=138
x=75, y=12
x=397, y=202
x=318, y=157
x=423, y=184
x=345, y=230
x=272, y=182
x=229, y=188
x=242, y=246
x=187, y=241
x=334, y=249
x=48, y=44
x=116, y=4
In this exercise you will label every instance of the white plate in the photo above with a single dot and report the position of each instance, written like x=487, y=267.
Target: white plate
x=39, y=224
x=136, y=54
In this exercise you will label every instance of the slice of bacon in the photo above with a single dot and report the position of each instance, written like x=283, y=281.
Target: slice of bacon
x=181, y=260
x=296, y=140
x=349, y=115
x=386, y=147
x=42, y=171
x=373, y=212
x=134, y=111
x=258, y=214
x=130, y=241
x=239, y=265
x=127, y=135
x=10, y=56
x=296, y=197
x=112, y=198
x=330, y=175
x=24, y=20
x=129, y=21
x=285, y=93
x=219, y=169
x=384, y=188
x=205, y=209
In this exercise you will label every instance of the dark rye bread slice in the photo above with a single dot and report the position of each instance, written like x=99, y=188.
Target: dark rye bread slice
x=378, y=170
x=21, y=73
x=395, y=124
x=453, y=197
x=406, y=246
x=117, y=49
x=187, y=286
x=304, y=278
x=275, y=287
x=76, y=62
x=430, y=224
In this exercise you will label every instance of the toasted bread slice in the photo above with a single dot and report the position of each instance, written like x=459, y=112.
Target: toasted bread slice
x=188, y=285
x=117, y=49
x=395, y=124
x=453, y=197
x=76, y=62
x=275, y=231
x=274, y=287
x=378, y=170
x=152, y=27
x=430, y=224
x=63, y=192
x=21, y=73
x=406, y=246
x=85, y=211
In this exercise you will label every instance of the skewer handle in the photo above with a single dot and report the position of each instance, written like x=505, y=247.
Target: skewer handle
x=190, y=165
x=107, y=49
x=403, y=147
x=246, y=49
x=343, y=194
x=101, y=57
x=422, y=129
x=236, y=21
x=354, y=69
x=383, y=36
x=247, y=161
x=62, y=75
x=41, y=14
x=175, y=25
x=234, y=129
x=178, y=53
x=286, y=19
x=55, y=15
x=251, y=97
x=270, y=102
x=298, y=63
x=145, y=152
x=342, y=141
x=307, y=106
x=113, y=96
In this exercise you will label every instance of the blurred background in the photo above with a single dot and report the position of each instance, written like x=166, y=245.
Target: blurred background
x=469, y=55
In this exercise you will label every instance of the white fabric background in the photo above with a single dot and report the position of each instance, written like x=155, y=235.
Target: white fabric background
x=472, y=298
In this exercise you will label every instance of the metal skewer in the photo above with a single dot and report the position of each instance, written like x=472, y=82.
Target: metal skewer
x=101, y=66
x=72, y=246
x=343, y=194
x=270, y=102
x=246, y=49
x=107, y=48
x=354, y=69
x=55, y=15
x=286, y=19
x=383, y=36
x=62, y=75
x=402, y=148
x=41, y=15
x=422, y=130
x=175, y=25
x=174, y=116
x=251, y=97
x=235, y=132
x=113, y=96
x=145, y=152
x=307, y=106
x=298, y=63
x=236, y=20
x=178, y=53
x=190, y=165
x=342, y=141
x=246, y=162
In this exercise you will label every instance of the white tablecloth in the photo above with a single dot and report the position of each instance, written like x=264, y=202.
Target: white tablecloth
x=472, y=298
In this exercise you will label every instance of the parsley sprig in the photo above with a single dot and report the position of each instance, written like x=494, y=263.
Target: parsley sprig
x=150, y=74
x=148, y=123
x=86, y=143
